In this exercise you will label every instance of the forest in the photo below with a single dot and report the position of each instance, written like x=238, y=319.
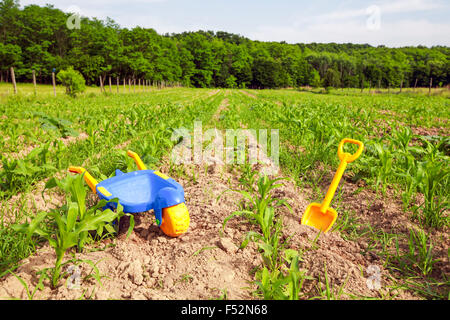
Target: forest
x=38, y=38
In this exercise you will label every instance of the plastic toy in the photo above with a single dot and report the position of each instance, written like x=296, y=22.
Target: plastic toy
x=143, y=190
x=320, y=216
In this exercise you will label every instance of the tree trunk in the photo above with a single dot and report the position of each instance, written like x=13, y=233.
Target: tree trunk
x=117, y=83
x=401, y=86
x=110, y=85
x=415, y=85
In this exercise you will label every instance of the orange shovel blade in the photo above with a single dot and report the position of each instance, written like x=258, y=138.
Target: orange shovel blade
x=315, y=218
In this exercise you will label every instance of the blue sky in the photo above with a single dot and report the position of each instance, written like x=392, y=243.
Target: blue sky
x=392, y=23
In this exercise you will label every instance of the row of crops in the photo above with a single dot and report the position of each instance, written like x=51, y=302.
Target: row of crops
x=394, y=155
x=413, y=165
x=44, y=135
x=103, y=128
x=102, y=123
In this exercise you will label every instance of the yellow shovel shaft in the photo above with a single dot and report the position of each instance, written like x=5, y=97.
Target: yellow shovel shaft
x=321, y=216
x=334, y=184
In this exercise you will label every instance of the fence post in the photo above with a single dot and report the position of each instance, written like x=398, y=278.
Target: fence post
x=431, y=83
x=34, y=82
x=101, y=84
x=13, y=79
x=54, y=83
x=110, y=87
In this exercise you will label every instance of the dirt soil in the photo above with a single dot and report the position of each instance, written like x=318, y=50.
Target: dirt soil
x=206, y=262
x=150, y=265
x=248, y=94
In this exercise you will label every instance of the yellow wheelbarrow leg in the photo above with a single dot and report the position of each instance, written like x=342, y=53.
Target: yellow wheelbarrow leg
x=91, y=182
x=321, y=216
x=137, y=159
x=141, y=165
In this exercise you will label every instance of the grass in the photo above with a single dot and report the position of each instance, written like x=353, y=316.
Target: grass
x=397, y=155
x=70, y=226
x=14, y=246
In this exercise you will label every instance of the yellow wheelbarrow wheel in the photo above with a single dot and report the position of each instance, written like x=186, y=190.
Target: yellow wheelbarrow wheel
x=175, y=220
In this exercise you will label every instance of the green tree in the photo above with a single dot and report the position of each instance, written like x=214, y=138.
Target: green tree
x=332, y=78
x=72, y=80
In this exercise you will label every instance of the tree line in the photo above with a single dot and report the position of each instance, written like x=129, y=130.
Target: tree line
x=38, y=38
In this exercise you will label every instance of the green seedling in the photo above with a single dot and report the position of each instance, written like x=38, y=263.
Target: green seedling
x=196, y=253
x=420, y=251
x=329, y=293
x=70, y=225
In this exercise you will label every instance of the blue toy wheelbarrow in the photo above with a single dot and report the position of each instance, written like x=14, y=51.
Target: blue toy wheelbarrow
x=144, y=190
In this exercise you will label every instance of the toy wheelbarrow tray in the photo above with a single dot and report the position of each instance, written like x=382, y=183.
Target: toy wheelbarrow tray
x=143, y=190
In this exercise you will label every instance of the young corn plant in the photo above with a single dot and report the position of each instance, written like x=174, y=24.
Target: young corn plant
x=329, y=293
x=282, y=284
x=421, y=251
x=435, y=188
x=383, y=169
x=413, y=177
x=260, y=200
x=69, y=226
x=269, y=245
x=419, y=257
x=262, y=212
x=63, y=126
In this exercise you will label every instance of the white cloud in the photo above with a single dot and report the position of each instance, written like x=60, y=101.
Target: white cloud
x=393, y=34
x=409, y=6
x=376, y=24
x=386, y=7
x=350, y=23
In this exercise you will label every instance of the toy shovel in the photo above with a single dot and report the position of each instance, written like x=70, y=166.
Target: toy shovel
x=321, y=216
